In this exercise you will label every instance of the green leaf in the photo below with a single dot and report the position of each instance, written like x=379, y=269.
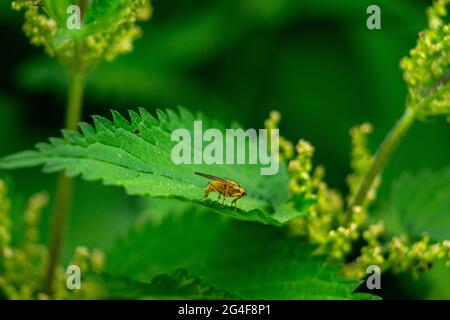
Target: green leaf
x=419, y=205
x=251, y=260
x=136, y=154
x=176, y=286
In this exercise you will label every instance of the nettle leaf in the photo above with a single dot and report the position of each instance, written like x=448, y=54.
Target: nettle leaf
x=136, y=154
x=250, y=260
x=100, y=16
x=419, y=205
x=176, y=286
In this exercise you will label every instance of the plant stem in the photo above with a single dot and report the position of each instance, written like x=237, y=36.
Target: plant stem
x=382, y=155
x=75, y=101
x=64, y=192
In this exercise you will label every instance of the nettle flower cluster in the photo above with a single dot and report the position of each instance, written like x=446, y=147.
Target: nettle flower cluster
x=22, y=261
x=105, y=33
x=426, y=70
x=327, y=224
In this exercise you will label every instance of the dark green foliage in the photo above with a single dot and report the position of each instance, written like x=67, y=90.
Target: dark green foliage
x=251, y=260
x=418, y=205
x=178, y=285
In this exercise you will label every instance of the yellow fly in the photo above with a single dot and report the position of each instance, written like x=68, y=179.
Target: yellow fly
x=224, y=187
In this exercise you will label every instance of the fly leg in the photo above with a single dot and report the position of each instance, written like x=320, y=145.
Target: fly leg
x=218, y=191
x=206, y=195
x=224, y=195
x=207, y=192
x=235, y=201
x=211, y=188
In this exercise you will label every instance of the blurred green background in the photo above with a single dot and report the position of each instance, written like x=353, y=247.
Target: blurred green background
x=313, y=60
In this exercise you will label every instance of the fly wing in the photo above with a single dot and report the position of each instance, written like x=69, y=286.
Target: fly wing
x=208, y=176
x=232, y=182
